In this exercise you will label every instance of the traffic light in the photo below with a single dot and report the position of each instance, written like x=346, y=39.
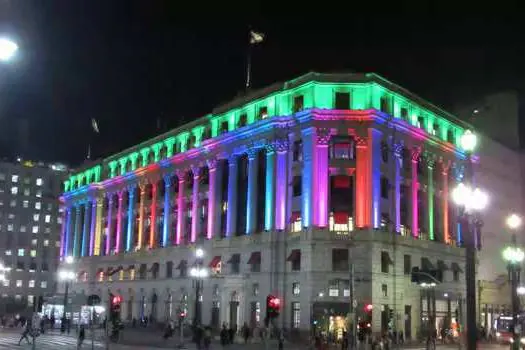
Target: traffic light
x=369, y=308
x=114, y=312
x=273, y=307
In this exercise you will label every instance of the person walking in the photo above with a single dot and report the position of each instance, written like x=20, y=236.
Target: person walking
x=207, y=338
x=245, y=332
x=81, y=336
x=225, y=336
x=26, y=332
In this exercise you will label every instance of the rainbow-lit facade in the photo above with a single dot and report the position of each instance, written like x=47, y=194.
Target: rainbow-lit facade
x=281, y=188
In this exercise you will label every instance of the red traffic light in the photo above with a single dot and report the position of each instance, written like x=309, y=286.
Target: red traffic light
x=368, y=307
x=117, y=299
x=274, y=302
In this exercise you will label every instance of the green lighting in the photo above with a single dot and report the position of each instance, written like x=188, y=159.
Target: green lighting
x=317, y=91
x=513, y=255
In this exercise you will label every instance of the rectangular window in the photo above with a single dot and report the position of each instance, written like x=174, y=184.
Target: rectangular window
x=298, y=103
x=14, y=190
x=404, y=113
x=297, y=186
x=385, y=262
x=14, y=178
x=340, y=261
x=342, y=100
x=384, y=290
x=9, y=227
x=296, y=315
x=26, y=192
x=35, y=229
x=34, y=242
x=21, y=252
x=32, y=253
x=296, y=288
x=384, y=105
x=31, y=284
x=19, y=283
x=47, y=219
x=255, y=289
x=295, y=259
x=39, y=182
x=333, y=288
x=43, y=284
x=8, y=252
x=224, y=127
x=450, y=136
x=25, y=204
x=455, y=275
x=235, y=263
x=420, y=122
x=263, y=113
x=12, y=203
x=298, y=151
x=407, y=264
x=384, y=187
x=36, y=217
x=435, y=129
x=46, y=242
x=39, y=193
x=38, y=205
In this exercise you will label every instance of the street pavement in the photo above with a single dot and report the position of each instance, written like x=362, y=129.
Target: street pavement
x=56, y=341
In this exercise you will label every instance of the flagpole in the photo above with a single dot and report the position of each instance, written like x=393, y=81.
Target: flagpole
x=248, y=65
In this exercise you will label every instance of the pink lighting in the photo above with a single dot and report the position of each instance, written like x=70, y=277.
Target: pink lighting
x=415, y=188
x=211, y=199
x=322, y=172
x=280, y=192
x=119, y=222
x=180, y=210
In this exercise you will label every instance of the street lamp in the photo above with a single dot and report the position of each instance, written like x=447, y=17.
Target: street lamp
x=65, y=274
x=199, y=273
x=514, y=255
x=8, y=49
x=470, y=200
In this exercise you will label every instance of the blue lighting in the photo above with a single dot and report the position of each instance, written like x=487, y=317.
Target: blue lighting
x=270, y=182
x=165, y=228
x=130, y=218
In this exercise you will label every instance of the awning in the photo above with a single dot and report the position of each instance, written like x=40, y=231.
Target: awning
x=294, y=255
x=255, y=258
x=235, y=259
x=341, y=181
x=442, y=266
x=182, y=264
x=426, y=265
x=387, y=258
x=215, y=261
x=455, y=267
x=341, y=218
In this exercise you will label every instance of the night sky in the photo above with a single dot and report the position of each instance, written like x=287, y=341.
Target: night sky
x=131, y=64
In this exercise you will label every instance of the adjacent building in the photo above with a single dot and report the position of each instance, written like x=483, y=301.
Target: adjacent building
x=284, y=189
x=30, y=227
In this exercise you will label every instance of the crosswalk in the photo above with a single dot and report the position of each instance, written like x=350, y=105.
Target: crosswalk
x=9, y=340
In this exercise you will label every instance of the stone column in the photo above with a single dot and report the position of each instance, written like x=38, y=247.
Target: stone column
x=142, y=194
x=153, y=215
x=131, y=218
x=231, y=218
x=251, y=209
x=398, y=160
x=307, y=183
x=321, y=175
x=363, y=186
x=167, y=217
x=430, y=196
x=374, y=135
x=195, y=217
x=269, y=218
x=118, y=234
x=415, y=187
x=212, y=198
x=98, y=226
x=64, y=238
x=76, y=242
x=181, y=208
x=445, y=168
x=85, y=230
x=93, y=226
x=281, y=185
x=109, y=223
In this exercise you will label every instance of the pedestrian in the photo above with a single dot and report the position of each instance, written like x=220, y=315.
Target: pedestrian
x=281, y=340
x=207, y=337
x=26, y=332
x=81, y=336
x=231, y=333
x=168, y=332
x=245, y=332
x=225, y=335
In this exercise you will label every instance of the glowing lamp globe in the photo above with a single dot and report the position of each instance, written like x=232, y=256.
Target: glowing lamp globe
x=513, y=255
x=513, y=221
x=8, y=49
x=468, y=141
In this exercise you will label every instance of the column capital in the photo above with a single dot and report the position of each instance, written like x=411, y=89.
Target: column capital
x=181, y=173
x=361, y=142
x=281, y=145
x=445, y=166
x=270, y=148
x=120, y=195
x=131, y=187
x=232, y=159
x=167, y=180
x=252, y=153
x=196, y=170
x=431, y=160
x=211, y=163
x=323, y=136
x=415, y=154
x=397, y=149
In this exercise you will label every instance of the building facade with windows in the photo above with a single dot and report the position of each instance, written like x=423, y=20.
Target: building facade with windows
x=30, y=227
x=283, y=189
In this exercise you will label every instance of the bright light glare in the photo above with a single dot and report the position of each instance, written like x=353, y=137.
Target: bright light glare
x=199, y=253
x=198, y=272
x=521, y=290
x=8, y=49
x=470, y=199
x=513, y=221
x=468, y=141
x=66, y=275
x=69, y=259
x=513, y=255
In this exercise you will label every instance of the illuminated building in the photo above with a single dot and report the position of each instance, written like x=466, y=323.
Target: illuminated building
x=30, y=227
x=281, y=188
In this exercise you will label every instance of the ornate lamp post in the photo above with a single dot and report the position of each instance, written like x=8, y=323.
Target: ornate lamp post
x=66, y=274
x=470, y=200
x=514, y=255
x=198, y=273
